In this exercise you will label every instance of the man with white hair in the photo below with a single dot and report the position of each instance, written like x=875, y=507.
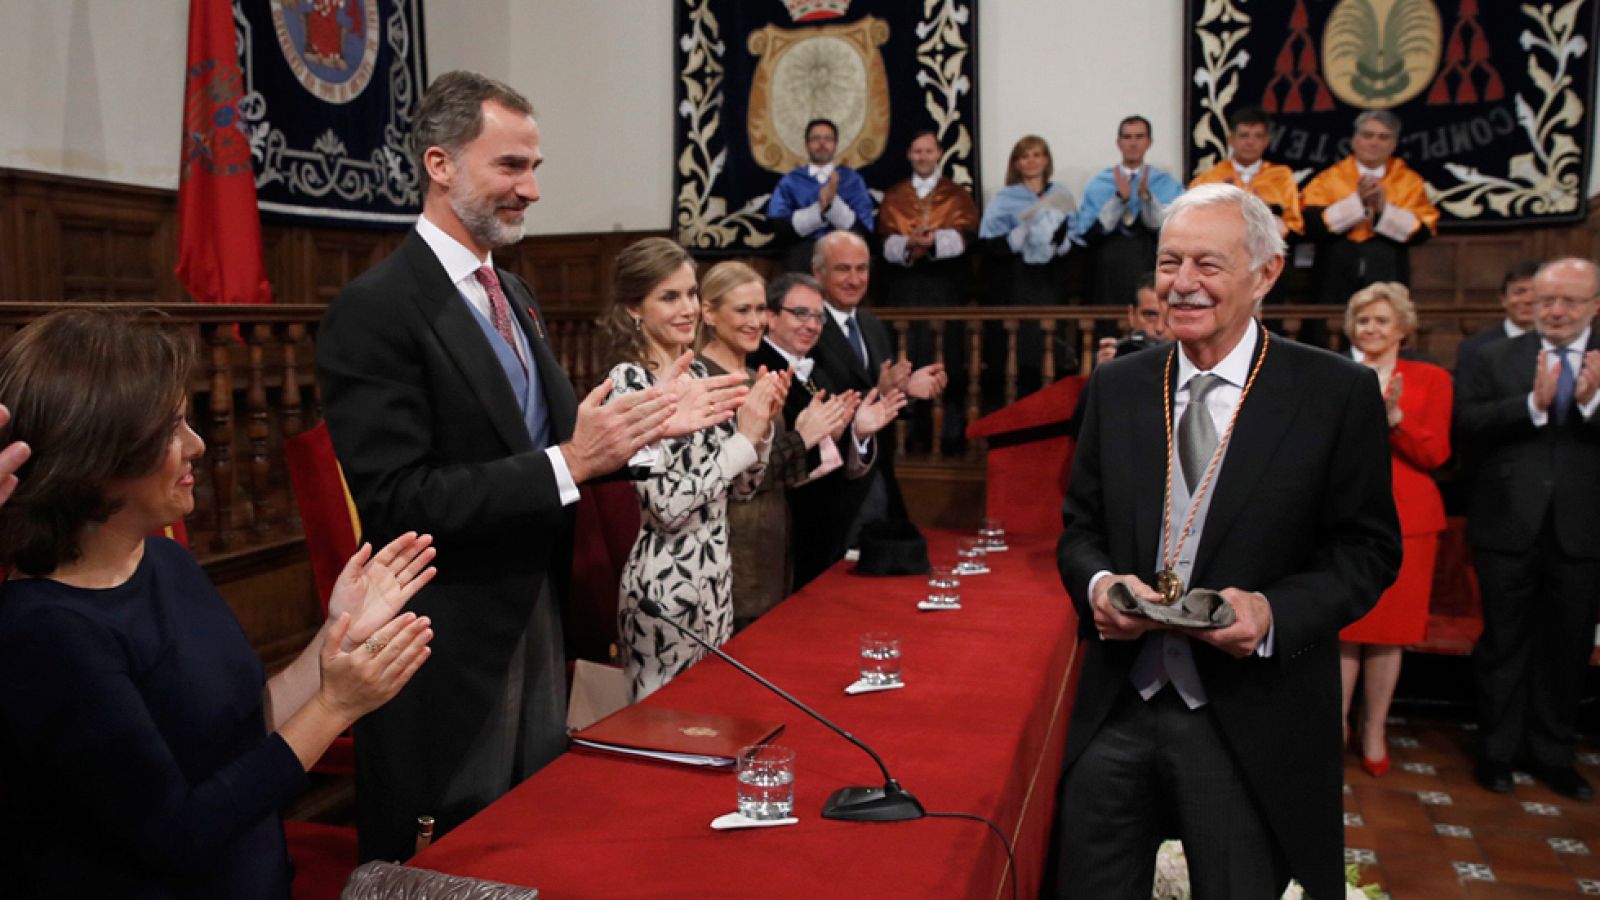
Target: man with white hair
x=1528, y=407
x=1276, y=497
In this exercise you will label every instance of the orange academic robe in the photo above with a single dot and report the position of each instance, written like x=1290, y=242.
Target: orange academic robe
x=1361, y=256
x=1274, y=184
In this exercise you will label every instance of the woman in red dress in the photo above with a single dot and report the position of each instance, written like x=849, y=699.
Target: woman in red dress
x=1418, y=397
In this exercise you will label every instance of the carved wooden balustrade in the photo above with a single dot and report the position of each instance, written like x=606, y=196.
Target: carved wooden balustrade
x=255, y=386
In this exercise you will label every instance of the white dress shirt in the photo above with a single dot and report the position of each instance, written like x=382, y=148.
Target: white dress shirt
x=460, y=265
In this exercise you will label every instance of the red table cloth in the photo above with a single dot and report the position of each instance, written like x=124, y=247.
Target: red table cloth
x=979, y=728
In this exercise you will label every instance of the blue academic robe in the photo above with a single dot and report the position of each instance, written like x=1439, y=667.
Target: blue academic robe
x=798, y=190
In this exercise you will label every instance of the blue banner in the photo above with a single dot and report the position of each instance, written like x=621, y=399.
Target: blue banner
x=330, y=88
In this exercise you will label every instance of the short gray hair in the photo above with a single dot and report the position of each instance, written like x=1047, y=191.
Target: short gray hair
x=450, y=115
x=1261, y=236
x=1383, y=117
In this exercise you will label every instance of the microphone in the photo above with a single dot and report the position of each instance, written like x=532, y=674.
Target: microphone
x=890, y=803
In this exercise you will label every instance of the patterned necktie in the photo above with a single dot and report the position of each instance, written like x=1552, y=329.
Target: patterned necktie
x=500, y=311
x=853, y=332
x=1566, y=386
x=1197, y=434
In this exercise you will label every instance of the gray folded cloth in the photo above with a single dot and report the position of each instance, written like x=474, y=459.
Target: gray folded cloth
x=1200, y=608
x=387, y=881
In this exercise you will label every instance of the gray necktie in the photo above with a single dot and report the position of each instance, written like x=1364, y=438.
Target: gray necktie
x=1197, y=435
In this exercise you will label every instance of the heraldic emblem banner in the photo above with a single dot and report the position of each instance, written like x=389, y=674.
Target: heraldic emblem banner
x=1496, y=99
x=330, y=87
x=752, y=73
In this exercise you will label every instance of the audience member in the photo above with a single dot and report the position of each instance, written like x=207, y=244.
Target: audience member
x=450, y=414
x=819, y=197
x=925, y=222
x=1365, y=211
x=1417, y=398
x=1220, y=737
x=799, y=324
x=680, y=560
x=1246, y=168
x=146, y=752
x=1516, y=296
x=733, y=304
x=1147, y=323
x=1026, y=230
x=1120, y=215
x=1528, y=408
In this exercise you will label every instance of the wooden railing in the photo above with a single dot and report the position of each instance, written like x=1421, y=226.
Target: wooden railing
x=256, y=386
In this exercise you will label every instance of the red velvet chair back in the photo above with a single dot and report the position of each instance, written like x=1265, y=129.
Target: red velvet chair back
x=1030, y=458
x=607, y=526
x=327, y=512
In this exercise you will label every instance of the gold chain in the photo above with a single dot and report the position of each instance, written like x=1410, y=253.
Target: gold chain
x=1171, y=563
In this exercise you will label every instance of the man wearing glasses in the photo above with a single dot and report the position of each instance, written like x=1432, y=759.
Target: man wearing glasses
x=1528, y=404
x=819, y=197
x=795, y=317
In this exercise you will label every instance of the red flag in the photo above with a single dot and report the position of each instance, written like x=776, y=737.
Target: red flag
x=219, y=226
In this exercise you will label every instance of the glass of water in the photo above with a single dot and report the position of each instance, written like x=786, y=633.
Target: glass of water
x=971, y=557
x=944, y=586
x=993, y=535
x=766, y=782
x=880, y=658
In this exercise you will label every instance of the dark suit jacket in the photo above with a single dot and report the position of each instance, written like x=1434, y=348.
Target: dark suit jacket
x=1524, y=472
x=1471, y=346
x=823, y=509
x=430, y=437
x=1303, y=512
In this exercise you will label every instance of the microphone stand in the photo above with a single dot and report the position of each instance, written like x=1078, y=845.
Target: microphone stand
x=890, y=803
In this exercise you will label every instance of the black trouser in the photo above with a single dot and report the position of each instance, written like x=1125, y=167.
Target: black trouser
x=1539, y=611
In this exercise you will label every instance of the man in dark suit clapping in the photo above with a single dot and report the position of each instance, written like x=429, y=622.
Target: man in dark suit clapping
x=1277, y=496
x=1528, y=406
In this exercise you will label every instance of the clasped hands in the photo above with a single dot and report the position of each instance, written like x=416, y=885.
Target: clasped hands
x=1252, y=617
x=607, y=435
x=1545, y=378
x=1373, y=196
x=923, y=384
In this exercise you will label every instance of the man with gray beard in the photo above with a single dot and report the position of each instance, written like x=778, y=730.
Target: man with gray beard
x=451, y=416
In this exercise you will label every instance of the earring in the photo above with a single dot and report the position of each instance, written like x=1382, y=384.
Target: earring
x=638, y=323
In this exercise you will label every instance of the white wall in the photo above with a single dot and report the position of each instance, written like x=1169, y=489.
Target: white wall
x=94, y=88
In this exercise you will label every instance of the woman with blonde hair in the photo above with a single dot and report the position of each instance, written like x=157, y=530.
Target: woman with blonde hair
x=733, y=305
x=681, y=559
x=1418, y=397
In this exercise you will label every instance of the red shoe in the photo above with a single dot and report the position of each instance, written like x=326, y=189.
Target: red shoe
x=1376, y=767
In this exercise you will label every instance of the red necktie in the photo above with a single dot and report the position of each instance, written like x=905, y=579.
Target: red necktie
x=500, y=311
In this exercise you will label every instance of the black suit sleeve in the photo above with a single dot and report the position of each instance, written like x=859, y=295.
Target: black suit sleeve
x=1358, y=553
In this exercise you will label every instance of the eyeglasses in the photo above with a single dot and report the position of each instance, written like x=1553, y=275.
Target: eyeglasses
x=1564, y=302
x=804, y=315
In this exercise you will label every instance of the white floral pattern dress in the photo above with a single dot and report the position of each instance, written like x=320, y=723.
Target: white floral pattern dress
x=681, y=558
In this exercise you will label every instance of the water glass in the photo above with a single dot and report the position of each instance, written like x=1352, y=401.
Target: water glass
x=880, y=658
x=993, y=534
x=971, y=557
x=944, y=586
x=766, y=782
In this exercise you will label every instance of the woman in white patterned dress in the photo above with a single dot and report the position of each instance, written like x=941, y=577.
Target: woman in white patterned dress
x=680, y=559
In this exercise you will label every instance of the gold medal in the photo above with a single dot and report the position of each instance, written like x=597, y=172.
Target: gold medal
x=1170, y=586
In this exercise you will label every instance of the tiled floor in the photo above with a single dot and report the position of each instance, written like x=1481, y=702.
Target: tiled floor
x=1427, y=830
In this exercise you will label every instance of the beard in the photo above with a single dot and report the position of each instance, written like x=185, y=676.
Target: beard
x=477, y=213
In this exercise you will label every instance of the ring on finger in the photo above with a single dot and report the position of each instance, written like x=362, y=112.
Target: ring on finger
x=374, y=646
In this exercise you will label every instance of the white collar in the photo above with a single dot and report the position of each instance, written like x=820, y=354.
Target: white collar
x=1131, y=172
x=1234, y=368
x=788, y=357
x=458, y=261
x=1375, y=173
x=820, y=173
x=924, y=186
x=1512, y=329
x=840, y=317
x=1578, y=343
x=1246, y=173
